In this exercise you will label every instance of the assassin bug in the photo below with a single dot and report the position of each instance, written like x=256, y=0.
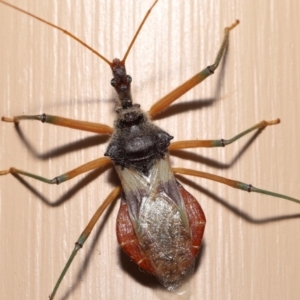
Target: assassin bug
x=140, y=168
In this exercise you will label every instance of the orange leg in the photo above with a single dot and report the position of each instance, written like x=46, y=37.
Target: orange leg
x=65, y=122
x=166, y=101
x=85, y=234
x=233, y=183
x=94, y=164
x=218, y=143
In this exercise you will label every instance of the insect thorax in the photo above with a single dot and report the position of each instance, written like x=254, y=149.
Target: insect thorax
x=136, y=142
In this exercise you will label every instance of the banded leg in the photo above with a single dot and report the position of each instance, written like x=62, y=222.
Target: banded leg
x=166, y=101
x=85, y=234
x=94, y=164
x=219, y=143
x=233, y=183
x=65, y=122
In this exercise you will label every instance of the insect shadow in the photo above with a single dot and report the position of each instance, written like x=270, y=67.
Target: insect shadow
x=196, y=104
x=237, y=211
x=192, y=156
x=85, y=143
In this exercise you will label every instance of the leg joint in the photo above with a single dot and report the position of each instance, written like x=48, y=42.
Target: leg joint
x=44, y=117
x=79, y=245
x=249, y=188
x=211, y=69
x=55, y=180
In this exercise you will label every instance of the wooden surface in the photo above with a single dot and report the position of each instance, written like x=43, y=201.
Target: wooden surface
x=252, y=245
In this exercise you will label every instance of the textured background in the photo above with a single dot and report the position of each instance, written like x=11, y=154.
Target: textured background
x=252, y=245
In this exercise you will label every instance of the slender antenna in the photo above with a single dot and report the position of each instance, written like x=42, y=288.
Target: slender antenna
x=60, y=29
x=138, y=31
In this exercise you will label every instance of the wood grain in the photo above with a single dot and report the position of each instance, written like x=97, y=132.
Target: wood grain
x=251, y=244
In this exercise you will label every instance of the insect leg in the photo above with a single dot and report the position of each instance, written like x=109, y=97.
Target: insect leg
x=65, y=122
x=163, y=103
x=85, y=234
x=233, y=183
x=94, y=164
x=219, y=143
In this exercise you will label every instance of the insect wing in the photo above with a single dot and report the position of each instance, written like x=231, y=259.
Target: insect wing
x=159, y=220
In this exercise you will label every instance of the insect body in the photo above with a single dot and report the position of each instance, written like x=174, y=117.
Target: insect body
x=153, y=208
x=160, y=225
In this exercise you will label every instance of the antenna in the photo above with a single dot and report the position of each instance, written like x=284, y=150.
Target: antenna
x=138, y=31
x=60, y=29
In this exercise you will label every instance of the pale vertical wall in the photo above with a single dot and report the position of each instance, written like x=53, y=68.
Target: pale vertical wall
x=251, y=246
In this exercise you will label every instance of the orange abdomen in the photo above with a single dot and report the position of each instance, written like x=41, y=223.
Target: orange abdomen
x=130, y=244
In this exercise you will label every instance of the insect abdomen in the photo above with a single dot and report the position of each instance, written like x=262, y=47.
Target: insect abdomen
x=170, y=266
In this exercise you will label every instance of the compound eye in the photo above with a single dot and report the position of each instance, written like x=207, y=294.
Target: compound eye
x=113, y=82
x=129, y=78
